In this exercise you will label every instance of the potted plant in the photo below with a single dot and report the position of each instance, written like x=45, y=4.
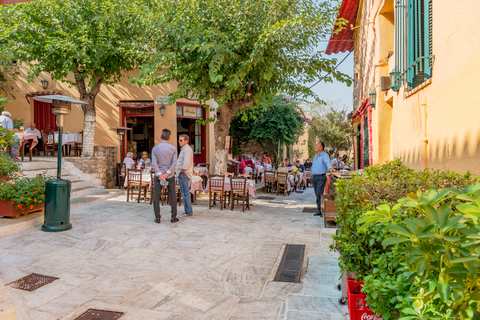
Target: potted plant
x=8, y=168
x=22, y=195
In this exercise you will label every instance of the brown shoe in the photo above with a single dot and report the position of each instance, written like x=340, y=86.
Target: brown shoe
x=174, y=220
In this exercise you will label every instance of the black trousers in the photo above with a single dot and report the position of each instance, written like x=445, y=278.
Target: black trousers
x=171, y=193
x=319, y=183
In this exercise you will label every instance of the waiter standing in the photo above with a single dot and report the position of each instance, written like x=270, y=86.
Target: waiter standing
x=321, y=163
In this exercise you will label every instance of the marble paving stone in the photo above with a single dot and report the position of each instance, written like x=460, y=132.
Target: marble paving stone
x=247, y=279
x=148, y=296
x=37, y=315
x=301, y=315
x=59, y=263
x=246, y=268
x=211, y=306
x=191, y=264
x=83, y=273
x=256, y=308
x=176, y=301
x=280, y=290
x=240, y=290
x=108, y=279
x=120, y=292
x=69, y=301
x=313, y=303
x=133, y=257
x=158, y=262
x=206, y=279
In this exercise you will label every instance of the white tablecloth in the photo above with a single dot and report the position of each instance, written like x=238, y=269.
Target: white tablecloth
x=250, y=186
x=69, y=138
x=203, y=170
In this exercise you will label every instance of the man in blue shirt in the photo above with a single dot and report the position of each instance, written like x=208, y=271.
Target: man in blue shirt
x=321, y=163
x=164, y=158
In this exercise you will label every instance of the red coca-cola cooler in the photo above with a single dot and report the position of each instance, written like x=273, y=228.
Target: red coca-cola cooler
x=357, y=303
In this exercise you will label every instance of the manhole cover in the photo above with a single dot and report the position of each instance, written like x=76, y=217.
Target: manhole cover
x=32, y=282
x=95, y=314
x=309, y=209
x=290, y=267
x=265, y=198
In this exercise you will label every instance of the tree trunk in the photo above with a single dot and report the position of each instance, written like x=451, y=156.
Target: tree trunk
x=222, y=128
x=89, y=112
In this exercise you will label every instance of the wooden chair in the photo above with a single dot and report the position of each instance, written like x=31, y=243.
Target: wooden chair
x=49, y=145
x=269, y=181
x=309, y=176
x=282, y=183
x=78, y=147
x=216, y=187
x=238, y=187
x=227, y=174
x=134, y=182
x=120, y=175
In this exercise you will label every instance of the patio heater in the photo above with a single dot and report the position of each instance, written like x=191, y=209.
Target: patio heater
x=121, y=132
x=57, y=192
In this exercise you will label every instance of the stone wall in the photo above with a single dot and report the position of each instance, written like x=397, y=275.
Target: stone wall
x=102, y=166
x=249, y=147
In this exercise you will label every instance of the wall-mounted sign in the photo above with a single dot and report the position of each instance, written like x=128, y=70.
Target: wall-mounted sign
x=163, y=100
x=179, y=111
x=189, y=112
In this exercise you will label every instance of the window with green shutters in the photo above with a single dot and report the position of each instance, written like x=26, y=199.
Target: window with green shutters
x=413, y=43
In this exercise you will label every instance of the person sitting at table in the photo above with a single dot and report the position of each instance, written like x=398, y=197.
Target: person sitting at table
x=7, y=123
x=255, y=157
x=241, y=165
x=145, y=159
x=249, y=162
x=128, y=162
x=34, y=131
x=266, y=159
x=283, y=169
x=288, y=164
x=301, y=168
x=308, y=164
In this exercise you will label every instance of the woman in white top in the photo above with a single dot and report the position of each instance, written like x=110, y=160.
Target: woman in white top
x=128, y=162
x=145, y=159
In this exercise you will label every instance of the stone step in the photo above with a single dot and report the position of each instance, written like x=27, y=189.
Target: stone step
x=81, y=183
x=50, y=172
x=35, y=165
x=82, y=191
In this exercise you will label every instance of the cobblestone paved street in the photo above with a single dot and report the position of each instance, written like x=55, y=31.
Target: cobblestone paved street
x=214, y=265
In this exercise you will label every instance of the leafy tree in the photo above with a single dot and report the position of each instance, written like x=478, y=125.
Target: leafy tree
x=8, y=67
x=91, y=39
x=333, y=128
x=237, y=51
x=276, y=122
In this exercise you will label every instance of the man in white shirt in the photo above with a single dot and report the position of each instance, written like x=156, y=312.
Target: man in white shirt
x=35, y=132
x=128, y=162
x=184, y=172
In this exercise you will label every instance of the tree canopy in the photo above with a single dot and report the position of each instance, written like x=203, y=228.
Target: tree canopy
x=237, y=51
x=91, y=39
x=334, y=128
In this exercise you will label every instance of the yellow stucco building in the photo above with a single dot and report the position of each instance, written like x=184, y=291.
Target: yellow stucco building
x=415, y=80
x=123, y=104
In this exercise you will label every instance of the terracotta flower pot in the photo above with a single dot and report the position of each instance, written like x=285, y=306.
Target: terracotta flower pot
x=9, y=209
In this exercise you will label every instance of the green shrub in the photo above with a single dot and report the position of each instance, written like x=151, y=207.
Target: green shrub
x=434, y=243
x=24, y=192
x=8, y=167
x=362, y=251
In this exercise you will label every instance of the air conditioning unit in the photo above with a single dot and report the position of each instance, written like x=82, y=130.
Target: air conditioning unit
x=385, y=83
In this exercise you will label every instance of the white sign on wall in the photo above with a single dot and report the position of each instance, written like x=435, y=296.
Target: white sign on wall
x=163, y=100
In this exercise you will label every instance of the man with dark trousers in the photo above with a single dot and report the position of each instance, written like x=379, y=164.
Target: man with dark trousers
x=164, y=158
x=321, y=163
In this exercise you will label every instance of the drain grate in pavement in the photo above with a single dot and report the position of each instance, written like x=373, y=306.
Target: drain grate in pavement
x=32, y=282
x=290, y=267
x=310, y=209
x=265, y=198
x=95, y=314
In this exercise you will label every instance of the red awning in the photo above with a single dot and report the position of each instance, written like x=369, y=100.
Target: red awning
x=343, y=41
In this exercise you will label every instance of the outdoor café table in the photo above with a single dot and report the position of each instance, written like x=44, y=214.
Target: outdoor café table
x=145, y=178
x=269, y=167
x=250, y=186
x=203, y=170
x=32, y=141
x=260, y=169
x=69, y=139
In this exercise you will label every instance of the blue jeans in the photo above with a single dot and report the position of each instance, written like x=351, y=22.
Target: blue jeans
x=184, y=183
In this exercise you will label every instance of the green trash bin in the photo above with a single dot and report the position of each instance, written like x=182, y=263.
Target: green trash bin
x=57, y=206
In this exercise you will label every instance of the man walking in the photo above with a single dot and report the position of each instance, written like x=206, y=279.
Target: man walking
x=321, y=163
x=184, y=172
x=164, y=157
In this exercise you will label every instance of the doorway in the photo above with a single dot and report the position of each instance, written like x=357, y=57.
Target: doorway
x=187, y=124
x=43, y=116
x=139, y=117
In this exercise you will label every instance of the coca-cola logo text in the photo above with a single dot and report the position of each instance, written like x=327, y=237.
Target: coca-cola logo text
x=367, y=316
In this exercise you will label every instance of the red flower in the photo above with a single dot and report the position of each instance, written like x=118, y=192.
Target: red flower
x=19, y=205
x=21, y=197
x=35, y=191
x=39, y=174
x=38, y=180
x=31, y=207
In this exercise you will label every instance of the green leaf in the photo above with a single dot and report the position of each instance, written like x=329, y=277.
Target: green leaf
x=399, y=229
x=392, y=241
x=443, y=290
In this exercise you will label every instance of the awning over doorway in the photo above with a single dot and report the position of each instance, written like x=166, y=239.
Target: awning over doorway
x=41, y=93
x=343, y=41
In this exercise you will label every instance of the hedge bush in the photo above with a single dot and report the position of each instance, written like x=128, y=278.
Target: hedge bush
x=362, y=251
